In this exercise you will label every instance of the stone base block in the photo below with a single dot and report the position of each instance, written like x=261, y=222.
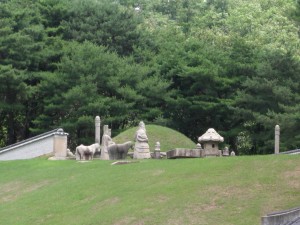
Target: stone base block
x=183, y=153
x=212, y=152
x=139, y=155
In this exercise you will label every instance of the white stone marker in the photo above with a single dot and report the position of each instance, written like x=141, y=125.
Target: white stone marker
x=97, y=129
x=277, y=137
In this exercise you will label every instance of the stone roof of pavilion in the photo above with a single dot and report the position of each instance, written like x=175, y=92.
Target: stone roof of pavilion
x=210, y=135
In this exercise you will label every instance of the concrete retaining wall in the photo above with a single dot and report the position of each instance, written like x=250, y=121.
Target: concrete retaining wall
x=291, y=152
x=37, y=146
x=281, y=218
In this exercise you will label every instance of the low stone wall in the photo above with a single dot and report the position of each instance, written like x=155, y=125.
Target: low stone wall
x=184, y=153
x=291, y=152
x=281, y=218
x=31, y=148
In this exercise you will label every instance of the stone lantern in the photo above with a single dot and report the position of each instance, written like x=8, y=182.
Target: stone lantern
x=210, y=142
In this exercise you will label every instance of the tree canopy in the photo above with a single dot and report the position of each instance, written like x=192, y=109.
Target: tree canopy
x=232, y=65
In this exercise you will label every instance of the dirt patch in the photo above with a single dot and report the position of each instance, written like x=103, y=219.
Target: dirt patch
x=157, y=172
x=292, y=178
x=36, y=186
x=125, y=221
x=107, y=202
x=87, y=199
x=129, y=221
x=13, y=190
x=161, y=199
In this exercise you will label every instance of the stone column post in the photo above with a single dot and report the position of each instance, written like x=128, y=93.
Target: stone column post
x=97, y=129
x=60, y=144
x=104, y=152
x=277, y=137
x=157, y=151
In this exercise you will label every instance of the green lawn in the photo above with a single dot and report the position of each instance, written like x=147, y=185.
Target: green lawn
x=227, y=191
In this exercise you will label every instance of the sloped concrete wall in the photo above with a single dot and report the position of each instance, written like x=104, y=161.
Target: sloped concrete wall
x=37, y=146
x=281, y=218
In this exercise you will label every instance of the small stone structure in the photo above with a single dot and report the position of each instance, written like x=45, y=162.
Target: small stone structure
x=202, y=152
x=277, y=138
x=60, y=144
x=141, y=147
x=157, y=151
x=211, y=140
x=225, y=152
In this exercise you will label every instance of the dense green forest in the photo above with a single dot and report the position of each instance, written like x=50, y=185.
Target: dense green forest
x=233, y=65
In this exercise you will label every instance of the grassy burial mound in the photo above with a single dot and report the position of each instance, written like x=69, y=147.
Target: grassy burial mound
x=168, y=138
x=227, y=191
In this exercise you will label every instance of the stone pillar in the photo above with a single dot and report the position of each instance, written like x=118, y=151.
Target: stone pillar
x=60, y=144
x=277, y=137
x=104, y=146
x=157, y=151
x=97, y=129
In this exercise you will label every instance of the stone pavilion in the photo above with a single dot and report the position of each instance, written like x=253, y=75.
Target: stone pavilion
x=210, y=142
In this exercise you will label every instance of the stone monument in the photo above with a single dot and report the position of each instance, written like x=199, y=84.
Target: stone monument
x=97, y=129
x=277, y=138
x=157, y=151
x=211, y=140
x=106, y=141
x=141, y=147
x=60, y=144
x=225, y=152
x=201, y=150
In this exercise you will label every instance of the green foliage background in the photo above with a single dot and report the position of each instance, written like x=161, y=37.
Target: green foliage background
x=186, y=64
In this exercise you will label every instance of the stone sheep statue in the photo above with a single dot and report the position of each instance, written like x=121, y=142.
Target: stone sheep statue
x=119, y=151
x=86, y=152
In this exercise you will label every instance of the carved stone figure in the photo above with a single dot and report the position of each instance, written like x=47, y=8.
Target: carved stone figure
x=106, y=142
x=141, y=147
x=226, y=151
x=86, y=152
x=69, y=153
x=119, y=151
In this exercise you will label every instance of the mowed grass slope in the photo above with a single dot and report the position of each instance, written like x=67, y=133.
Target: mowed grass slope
x=227, y=191
x=168, y=138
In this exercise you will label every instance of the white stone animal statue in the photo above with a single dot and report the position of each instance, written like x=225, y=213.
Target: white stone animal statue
x=83, y=152
x=119, y=151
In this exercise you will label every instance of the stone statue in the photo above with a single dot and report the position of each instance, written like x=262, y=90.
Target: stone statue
x=106, y=141
x=70, y=154
x=226, y=151
x=119, y=151
x=141, y=147
x=86, y=152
